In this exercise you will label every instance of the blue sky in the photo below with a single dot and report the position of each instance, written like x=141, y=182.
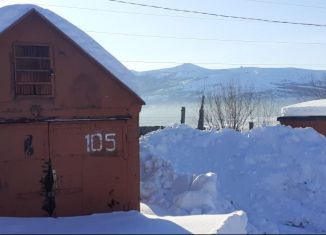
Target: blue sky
x=211, y=42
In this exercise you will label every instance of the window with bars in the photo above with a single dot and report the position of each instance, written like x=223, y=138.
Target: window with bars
x=33, y=73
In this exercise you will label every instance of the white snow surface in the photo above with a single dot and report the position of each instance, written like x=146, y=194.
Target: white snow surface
x=309, y=108
x=10, y=14
x=275, y=174
x=131, y=222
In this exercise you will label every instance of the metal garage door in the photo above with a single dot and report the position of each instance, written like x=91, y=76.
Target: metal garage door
x=89, y=166
x=90, y=162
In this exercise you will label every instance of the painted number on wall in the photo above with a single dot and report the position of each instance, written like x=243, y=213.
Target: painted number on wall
x=100, y=142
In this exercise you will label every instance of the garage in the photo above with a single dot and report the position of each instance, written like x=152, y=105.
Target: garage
x=69, y=120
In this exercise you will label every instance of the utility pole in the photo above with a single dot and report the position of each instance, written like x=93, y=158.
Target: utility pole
x=251, y=125
x=183, y=115
x=201, y=115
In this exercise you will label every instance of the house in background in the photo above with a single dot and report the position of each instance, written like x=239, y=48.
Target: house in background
x=69, y=120
x=306, y=114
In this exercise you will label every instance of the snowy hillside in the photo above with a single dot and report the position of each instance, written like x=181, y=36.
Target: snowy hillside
x=187, y=80
x=275, y=174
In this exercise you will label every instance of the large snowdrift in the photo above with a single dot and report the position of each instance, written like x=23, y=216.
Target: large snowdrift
x=276, y=174
x=309, y=108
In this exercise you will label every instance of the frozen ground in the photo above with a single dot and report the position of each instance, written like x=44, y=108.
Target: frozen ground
x=275, y=174
x=128, y=223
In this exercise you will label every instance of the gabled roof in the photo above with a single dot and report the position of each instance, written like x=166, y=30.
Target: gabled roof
x=9, y=15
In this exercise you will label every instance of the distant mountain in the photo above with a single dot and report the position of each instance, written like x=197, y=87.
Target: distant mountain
x=188, y=81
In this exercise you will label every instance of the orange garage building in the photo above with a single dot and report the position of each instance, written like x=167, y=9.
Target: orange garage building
x=307, y=114
x=69, y=120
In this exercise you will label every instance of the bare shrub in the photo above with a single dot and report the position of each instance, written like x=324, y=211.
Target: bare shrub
x=231, y=105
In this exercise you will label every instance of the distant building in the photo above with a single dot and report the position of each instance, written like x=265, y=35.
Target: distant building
x=306, y=114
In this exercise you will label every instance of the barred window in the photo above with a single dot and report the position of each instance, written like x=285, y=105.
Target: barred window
x=33, y=73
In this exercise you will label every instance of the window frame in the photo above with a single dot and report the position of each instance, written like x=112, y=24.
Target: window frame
x=50, y=71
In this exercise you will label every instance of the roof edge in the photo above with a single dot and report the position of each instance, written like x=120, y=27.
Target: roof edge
x=17, y=21
x=300, y=118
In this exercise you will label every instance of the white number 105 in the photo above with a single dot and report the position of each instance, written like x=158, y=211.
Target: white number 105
x=94, y=142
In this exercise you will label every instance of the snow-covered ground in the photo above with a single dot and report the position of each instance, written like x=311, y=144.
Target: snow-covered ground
x=275, y=174
x=309, y=108
x=131, y=222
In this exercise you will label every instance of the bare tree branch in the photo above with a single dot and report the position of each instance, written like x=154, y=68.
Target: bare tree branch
x=231, y=105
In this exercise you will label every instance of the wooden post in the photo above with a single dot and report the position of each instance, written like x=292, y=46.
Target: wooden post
x=183, y=115
x=251, y=125
x=200, y=125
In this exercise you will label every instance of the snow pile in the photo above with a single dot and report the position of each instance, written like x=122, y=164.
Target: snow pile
x=200, y=197
x=309, y=108
x=10, y=14
x=235, y=224
x=181, y=194
x=275, y=174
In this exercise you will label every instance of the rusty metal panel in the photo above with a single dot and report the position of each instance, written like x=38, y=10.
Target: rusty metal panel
x=21, y=142
x=65, y=145
x=26, y=188
x=316, y=122
x=89, y=159
x=23, y=149
x=91, y=166
x=105, y=173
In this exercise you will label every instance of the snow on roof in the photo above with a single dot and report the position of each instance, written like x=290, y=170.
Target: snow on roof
x=10, y=14
x=310, y=108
